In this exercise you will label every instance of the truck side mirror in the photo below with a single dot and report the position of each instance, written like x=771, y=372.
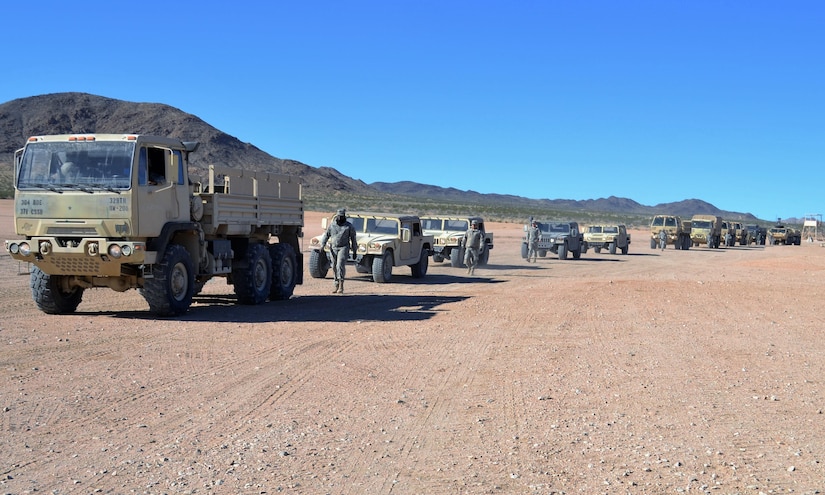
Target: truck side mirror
x=324, y=222
x=405, y=235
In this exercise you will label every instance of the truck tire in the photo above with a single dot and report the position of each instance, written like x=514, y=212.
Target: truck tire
x=170, y=291
x=597, y=249
x=419, y=270
x=563, y=251
x=542, y=253
x=438, y=258
x=457, y=257
x=611, y=248
x=318, y=264
x=252, y=276
x=577, y=253
x=382, y=268
x=624, y=249
x=524, y=250
x=484, y=257
x=284, y=271
x=48, y=295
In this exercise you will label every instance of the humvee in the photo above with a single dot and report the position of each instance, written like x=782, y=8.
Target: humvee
x=448, y=233
x=610, y=237
x=558, y=238
x=384, y=241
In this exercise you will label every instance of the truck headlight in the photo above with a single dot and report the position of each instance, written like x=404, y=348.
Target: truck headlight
x=24, y=249
x=115, y=251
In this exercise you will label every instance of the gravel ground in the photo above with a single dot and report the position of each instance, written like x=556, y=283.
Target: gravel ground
x=656, y=372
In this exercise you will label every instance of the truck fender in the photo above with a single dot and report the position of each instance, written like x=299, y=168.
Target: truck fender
x=159, y=243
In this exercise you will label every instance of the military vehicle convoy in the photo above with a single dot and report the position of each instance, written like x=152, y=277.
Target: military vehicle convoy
x=558, y=238
x=706, y=229
x=120, y=211
x=781, y=234
x=676, y=229
x=448, y=232
x=384, y=241
x=610, y=237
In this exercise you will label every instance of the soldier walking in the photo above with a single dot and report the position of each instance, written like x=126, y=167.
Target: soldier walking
x=662, y=239
x=532, y=241
x=341, y=236
x=473, y=244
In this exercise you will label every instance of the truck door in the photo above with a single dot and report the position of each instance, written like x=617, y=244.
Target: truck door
x=163, y=195
x=407, y=247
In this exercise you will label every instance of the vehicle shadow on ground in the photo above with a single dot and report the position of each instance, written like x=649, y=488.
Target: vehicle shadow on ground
x=319, y=308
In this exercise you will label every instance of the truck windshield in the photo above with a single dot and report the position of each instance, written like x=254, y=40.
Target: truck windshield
x=82, y=165
x=701, y=224
x=456, y=225
x=561, y=228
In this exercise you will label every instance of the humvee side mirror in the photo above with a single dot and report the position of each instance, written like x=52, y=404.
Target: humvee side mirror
x=324, y=222
x=405, y=235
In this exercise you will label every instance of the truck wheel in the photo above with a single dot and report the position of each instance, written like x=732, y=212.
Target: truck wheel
x=611, y=248
x=420, y=269
x=457, y=257
x=542, y=253
x=171, y=289
x=318, y=264
x=253, y=275
x=597, y=249
x=563, y=251
x=484, y=257
x=50, y=297
x=438, y=258
x=524, y=250
x=624, y=249
x=577, y=253
x=382, y=268
x=284, y=271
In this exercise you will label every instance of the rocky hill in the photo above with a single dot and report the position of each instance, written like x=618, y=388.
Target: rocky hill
x=66, y=113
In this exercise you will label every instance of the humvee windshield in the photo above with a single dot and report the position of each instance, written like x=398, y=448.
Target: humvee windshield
x=611, y=230
x=431, y=223
x=594, y=229
x=456, y=225
x=381, y=226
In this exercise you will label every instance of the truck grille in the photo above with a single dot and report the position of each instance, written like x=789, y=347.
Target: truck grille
x=79, y=231
x=85, y=265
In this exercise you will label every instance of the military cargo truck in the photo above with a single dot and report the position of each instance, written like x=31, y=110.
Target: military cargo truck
x=120, y=211
x=676, y=229
x=706, y=229
x=781, y=234
x=558, y=238
x=610, y=237
x=728, y=233
x=448, y=233
x=384, y=241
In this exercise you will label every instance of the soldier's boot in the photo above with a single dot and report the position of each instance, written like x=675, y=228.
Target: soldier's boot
x=335, y=289
x=341, y=287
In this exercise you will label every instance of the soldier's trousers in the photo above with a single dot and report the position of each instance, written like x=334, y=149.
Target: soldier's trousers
x=339, y=261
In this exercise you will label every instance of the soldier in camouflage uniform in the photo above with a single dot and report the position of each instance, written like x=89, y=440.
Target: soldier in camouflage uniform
x=532, y=241
x=341, y=235
x=473, y=244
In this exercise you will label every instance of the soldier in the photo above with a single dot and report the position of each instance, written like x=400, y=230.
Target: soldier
x=662, y=239
x=532, y=241
x=341, y=235
x=473, y=244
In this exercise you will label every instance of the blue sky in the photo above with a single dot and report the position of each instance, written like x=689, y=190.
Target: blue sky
x=656, y=101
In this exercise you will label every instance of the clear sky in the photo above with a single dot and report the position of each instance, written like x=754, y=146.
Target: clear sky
x=656, y=101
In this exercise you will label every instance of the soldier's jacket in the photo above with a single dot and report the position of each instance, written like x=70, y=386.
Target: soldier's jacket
x=533, y=235
x=473, y=239
x=340, y=235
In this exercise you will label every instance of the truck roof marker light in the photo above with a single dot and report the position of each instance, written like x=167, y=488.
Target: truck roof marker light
x=33, y=139
x=131, y=138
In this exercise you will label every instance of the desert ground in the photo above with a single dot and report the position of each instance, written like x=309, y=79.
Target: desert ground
x=669, y=371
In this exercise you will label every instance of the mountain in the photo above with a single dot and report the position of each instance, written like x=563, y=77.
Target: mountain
x=69, y=113
x=613, y=204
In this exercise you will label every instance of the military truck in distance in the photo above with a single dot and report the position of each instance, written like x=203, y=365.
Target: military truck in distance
x=120, y=211
x=448, y=233
x=706, y=229
x=677, y=230
x=610, y=237
x=780, y=234
x=757, y=234
x=558, y=238
x=728, y=228
x=741, y=234
x=384, y=241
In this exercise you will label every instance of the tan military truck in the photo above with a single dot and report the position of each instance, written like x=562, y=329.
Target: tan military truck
x=706, y=229
x=448, y=233
x=676, y=230
x=559, y=238
x=383, y=241
x=728, y=233
x=120, y=211
x=782, y=234
x=610, y=237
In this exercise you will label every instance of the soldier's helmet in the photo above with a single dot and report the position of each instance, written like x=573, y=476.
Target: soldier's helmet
x=474, y=222
x=342, y=212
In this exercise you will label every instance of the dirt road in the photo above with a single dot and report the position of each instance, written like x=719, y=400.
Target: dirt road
x=693, y=371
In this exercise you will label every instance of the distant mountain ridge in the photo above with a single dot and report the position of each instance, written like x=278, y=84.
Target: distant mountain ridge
x=70, y=113
x=612, y=204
